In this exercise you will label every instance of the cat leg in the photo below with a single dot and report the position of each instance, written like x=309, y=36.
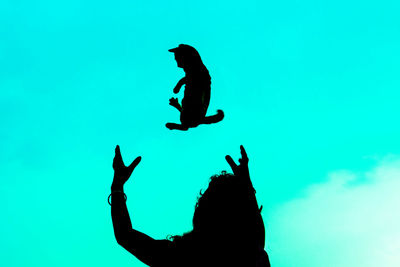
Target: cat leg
x=175, y=126
x=174, y=102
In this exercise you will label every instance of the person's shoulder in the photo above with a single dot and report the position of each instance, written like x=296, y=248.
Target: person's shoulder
x=169, y=255
x=262, y=259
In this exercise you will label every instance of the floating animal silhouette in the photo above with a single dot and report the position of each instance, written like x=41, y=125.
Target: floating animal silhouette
x=196, y=97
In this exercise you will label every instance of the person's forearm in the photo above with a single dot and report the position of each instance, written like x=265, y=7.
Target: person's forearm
x=248, y=184
x=143, y=247
x=119, y=213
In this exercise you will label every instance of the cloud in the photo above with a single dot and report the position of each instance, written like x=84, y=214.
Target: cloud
x=351, y=220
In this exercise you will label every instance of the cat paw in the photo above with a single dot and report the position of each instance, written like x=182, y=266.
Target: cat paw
x=173, y=101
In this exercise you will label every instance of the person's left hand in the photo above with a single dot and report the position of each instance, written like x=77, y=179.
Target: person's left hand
x=122, y=172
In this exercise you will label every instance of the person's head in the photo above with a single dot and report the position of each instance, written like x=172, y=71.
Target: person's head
x=228, y=209
x=227, y=220
x=187, y=57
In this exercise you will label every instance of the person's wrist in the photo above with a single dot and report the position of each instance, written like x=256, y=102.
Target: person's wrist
x=115, y=186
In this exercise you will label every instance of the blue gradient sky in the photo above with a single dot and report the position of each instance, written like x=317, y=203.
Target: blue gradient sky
x=310, y=88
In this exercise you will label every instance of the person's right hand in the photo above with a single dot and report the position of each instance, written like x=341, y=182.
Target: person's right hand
x=122, y=172
x=243, y=168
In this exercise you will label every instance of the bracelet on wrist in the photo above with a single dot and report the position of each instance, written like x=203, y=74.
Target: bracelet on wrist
x=115, y=192
x=117, y=187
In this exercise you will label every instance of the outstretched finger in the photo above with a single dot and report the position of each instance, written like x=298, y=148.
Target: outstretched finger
x=231, y=163
x=117, y=152
x=134, y=163
x=117, y=157
x=244, y=158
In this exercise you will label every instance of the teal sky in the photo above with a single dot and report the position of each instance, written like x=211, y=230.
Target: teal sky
x=310, y=88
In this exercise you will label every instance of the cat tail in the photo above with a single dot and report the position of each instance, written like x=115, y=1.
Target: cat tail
x=214, y=118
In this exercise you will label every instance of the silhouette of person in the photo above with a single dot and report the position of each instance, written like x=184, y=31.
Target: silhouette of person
x=197, y=90
x=228, y=229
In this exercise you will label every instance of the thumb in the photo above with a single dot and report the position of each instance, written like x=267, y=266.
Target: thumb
x=134, y=163
x=231, y=163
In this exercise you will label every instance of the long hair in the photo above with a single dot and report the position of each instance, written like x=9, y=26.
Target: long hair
x=226, y=223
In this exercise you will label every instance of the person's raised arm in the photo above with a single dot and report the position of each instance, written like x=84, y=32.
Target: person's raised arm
x=148, y=250
x=242, y=172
